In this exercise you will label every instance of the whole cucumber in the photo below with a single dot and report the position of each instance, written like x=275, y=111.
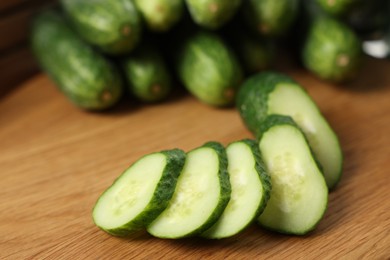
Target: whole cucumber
x=81, y=73
x=212, y=14
x=147, y=74
x=270, y=17
x=160, y=15
x=208, y=68
x=332, y=50
x=113, y=26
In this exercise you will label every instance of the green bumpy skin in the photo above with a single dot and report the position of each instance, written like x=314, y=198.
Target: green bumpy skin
x=224, y=183
x=264, y=177
x=115, y=27
x=332, y=51
x=270, y=18
x=218, y=230
x=175, y=160
x=160, y=15
x=253, y=96
x=163, y=225
x=208, y=68
x=81, y=73
x=212, y=14
x=147, y=75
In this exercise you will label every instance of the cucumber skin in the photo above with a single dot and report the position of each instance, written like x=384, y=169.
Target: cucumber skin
x=161, y=197
x=147, y=59
x=253, y=96
x=277, y=120
x=85, y=16
x=173, y=11
x=80, y=72
x=326, y=41
x=271, y=18
x=264, y=178
x=225, y=191
x=214, y=80
x=203, y=14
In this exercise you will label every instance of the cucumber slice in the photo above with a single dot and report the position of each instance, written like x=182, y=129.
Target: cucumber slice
x=202, y=193
x=273, y=93
x=299, y=194
x=140, y=194
x=250, y=190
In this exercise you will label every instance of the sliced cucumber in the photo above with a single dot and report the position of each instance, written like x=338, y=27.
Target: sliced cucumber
x=140, y=194
x=273, y=93
x=250, y=190
x=299, y=194
x=202, y=193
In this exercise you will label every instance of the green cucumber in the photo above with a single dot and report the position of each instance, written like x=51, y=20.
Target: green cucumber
x=202, y=193
x=338, y=7
x=273, y=93
x=250, y=190
x=81, y=73
x=212, y=14
x=208, y=68
x=140, y=194
x=146, y=73
x=299, y=194
x=160, y=15
x=332, y=51
x=270, y=17
x=113, y=26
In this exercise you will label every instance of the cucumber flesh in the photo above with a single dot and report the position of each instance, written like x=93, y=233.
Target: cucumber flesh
x=290, y=99
x=299, y=193
x=250, y=190
x=202, y=192
x=140, y=194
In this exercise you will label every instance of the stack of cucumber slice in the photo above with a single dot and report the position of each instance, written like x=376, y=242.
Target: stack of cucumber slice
x=215, y=192
x=210, y=191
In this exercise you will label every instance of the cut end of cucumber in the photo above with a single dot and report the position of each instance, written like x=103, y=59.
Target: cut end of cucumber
x=129, y=194
x=197, y=196
x=290, y=99
x=299, y=193
x=248, y=194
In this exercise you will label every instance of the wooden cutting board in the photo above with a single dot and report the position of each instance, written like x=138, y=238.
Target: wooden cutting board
x=56, y=160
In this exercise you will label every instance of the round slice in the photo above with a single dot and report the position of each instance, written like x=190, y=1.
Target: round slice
x=299, y=194
x=140, y=194
x=250, y=190
x=202, y=193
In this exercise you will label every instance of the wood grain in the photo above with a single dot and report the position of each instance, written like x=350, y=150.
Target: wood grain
x=56, y=160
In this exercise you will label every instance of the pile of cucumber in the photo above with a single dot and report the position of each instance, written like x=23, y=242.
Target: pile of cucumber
x=280, y=181
x=98, y=50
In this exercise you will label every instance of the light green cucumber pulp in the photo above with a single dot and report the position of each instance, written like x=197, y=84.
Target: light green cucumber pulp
x=140, y=194
x=250, y=190
x=201, y=195
x=299, y=193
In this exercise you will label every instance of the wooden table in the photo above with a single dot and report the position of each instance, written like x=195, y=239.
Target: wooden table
x=56, y=160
